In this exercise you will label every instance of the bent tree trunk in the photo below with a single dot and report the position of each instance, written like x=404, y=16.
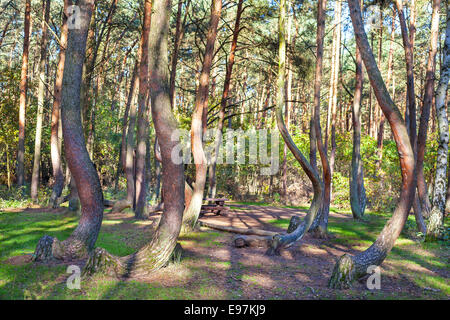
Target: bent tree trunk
x=55, y=149
x=282, y=240
x=141, y=211
x=157, y=253
x=348, y=268
x=357, y=190
x=83, y=238
x=426, y=107
x=192, y=212
x=320, y=225
x=411, y=98
x=436, y=221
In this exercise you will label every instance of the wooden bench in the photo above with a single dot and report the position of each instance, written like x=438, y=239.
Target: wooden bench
x=216, y=206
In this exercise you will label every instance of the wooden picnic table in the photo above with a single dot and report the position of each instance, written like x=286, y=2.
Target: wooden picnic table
x=216, y=206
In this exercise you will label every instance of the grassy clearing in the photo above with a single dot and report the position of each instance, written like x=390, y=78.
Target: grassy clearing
x=207, y=271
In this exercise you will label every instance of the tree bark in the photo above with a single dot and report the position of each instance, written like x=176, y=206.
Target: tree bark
x=436, y=222
x=349, y=268
x=41, y=100
x=83, y=238
x=320, y=224
x=23, y=96
x=55, y=147
x=411, y=97
x=426, y=107
x=357, y=190
x=179, y=32
x=286, y=239
x=142, y=125
x=130, y=142
x=224, y=101
x=158, y=252
x=192, y=212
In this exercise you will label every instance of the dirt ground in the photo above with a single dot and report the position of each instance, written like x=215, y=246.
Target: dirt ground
x=300, y=272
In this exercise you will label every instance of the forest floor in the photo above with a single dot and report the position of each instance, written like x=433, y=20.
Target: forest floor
x=212, y=268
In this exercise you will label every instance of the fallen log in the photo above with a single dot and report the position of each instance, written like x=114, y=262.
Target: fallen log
x=244, y=231
x=241, y=241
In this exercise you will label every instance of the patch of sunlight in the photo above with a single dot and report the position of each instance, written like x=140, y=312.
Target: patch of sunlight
x=427, y=281
x=259, y=280
x=404, y=242
x=143, y=222
x=111, y=222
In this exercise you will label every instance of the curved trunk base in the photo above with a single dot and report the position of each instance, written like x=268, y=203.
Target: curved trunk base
x=343, y=273
x=102, y=262
x=50, y=249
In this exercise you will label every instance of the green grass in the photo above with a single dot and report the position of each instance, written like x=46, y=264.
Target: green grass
x=192, y=277
x=406, y=253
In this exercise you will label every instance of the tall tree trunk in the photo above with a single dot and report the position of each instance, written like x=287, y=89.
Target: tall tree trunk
x=436, y=222
x=426, y=107
x=41, y=100
x=334, y=97
x=357, y=190
x=192, y=212
x=23, y=96
x=388, y=82
x=156, y=254
x=55, y=143
x=224, y=101
x=319, y=226
x=179, y=32
x=350, y=268
x=411, y=97
x=131, y=144
x=282, y=240
x=83, y=238
x=141, y=211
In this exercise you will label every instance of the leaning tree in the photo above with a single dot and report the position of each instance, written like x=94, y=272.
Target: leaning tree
x=157, y=253
x=348, y=268
x=83, y=238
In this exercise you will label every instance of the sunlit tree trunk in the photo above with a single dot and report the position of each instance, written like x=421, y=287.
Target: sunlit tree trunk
x=142, y=124
x=411, y=97
x=224, y=102
x=192, y=212
x=388, y=82
x=282, y=240
x=157, y=253
x=41, y=100
x=55, y=141
x=426, y=107
x=350, y=268
x=179, y=32
x=83, y=238
x=334, y=102
x=320, y=226
x=357, y=190
x=23, y=96
x=130, y=142
x=436, y=222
